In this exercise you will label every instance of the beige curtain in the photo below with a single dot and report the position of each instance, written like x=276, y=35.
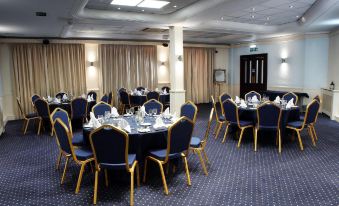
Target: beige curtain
x=128, y=66
x=198, y=72
x=1, y=121
x=48, y=69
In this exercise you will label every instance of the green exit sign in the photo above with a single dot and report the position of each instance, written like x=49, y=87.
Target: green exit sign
x=254, y=49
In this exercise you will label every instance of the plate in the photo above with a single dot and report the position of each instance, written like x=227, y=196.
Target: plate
x=145, y=124
x=143, y=130
x=128, y=115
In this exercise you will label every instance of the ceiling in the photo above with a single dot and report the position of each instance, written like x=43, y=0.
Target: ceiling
x=204, y=21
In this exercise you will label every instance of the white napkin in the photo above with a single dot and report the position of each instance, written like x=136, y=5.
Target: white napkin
x=277, y=100
x=165, y=92
x=89, y=98
x=83, y=96
x=158, y=123
x=93, y=121
x=64, y=97
x=56, y=100
x=237, y=99
x=242, y=103
x=254, y=99
x=139, y=93
x=157, y=89
x=143, y=111
x=124, y=125
x=49, y=98
x=290, y=104
x=114, y=112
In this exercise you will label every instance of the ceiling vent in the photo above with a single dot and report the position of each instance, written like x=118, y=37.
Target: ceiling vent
x=40, y=13
x=154, y=30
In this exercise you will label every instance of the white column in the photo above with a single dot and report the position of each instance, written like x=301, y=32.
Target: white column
x=176, y=60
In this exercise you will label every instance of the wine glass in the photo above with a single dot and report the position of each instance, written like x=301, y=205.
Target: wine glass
x=131, y=110
x=128, y=111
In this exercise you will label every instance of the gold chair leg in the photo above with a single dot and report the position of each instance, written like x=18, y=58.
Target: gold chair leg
x=300, y=142
x=26, y=126
x=145, y=170
x=310, y=133
x=95, y=187
x=255, y=139
x=314, y=133
x=202, y=162
x=225, y=135
x=80, y=178
x=132, y=188
x=279, y=136
x=39, y=128
x=205, y=155
x=58, y=160
x=187, y=171
x=64, y=173
x=23, y=125
x=216, y=127
x=106, y=178
x=241, y=134
x=163, y=177
x=218, y=131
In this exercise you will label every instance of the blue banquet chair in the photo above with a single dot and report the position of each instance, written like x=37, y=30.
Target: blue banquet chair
x=104, y=98
x=308, y=122
x=224, y=97
x=43, y=113
x=252, y=94
x=268, y=118
x=317, y=97
x=110, y=147
x=153, y=104
x=124, y=100
x=110, y=98
x=81, y=156
x=35, y=97
x=100, y=108
x=231, y=112
x=166, y=88
x=79, y=109
x=60, y=95
x=189, y=110
x=27, y=117
x=153, y=95
x=92, y=93
x=220, y=119
x=288, y=96
x=198, y=145
x=178, y=142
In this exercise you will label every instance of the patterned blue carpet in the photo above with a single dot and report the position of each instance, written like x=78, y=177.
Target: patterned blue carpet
x=236, y=176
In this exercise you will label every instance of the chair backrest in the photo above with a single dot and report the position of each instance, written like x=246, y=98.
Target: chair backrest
x=288, y=96
x=63, y=135
x=94, y=95
x=230, y=110
x=268, y=114
x=224, y=97
x=110, y=98
x=100, y=108
x=124, y=97
x=153, y=104
x=35, y=97
x=110, y=146
x=207, y=132
x=165, y=88
x=20, y=107
x=79, y=108
x=59, y=95
x=189, y=110
x=104, y=98
x=153, y=95
x=215, y=108
x=311, y=112
x=251, y=94
x=63, y=116
x=140, y=88
x=179, y=136
x=317, y=97
x=42, y=108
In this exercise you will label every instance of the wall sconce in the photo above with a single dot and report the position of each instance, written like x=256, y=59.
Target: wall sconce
x=162, y=63
x=283, y=60
x=180, y=58
x=91, y=64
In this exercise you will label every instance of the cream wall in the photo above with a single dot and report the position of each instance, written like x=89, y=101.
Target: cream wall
x=333, y=59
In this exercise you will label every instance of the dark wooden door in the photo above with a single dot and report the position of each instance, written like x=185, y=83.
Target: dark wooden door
x=253, y=73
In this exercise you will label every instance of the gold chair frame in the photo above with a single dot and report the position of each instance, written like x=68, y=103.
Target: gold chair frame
x=195, y=108
x=252, y=92
x=154, y=100
x=219, y=123
x=296, y=96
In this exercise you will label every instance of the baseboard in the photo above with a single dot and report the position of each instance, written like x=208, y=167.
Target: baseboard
x=337, y=118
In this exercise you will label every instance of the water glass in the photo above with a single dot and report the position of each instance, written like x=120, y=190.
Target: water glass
x=100, y=118
x=128, y=111
x=249, y=99
x=131, y=110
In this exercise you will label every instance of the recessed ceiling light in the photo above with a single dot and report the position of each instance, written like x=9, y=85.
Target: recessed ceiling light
x=126, y=2
x=252, y=16
x=153, y=4
x=265, y=23
x=253, y=9
x=297, y=16
x=119, y=8
x=291, y=6
x=222, y=18
x=143, y=10
x=268, y=18
x=175, y=6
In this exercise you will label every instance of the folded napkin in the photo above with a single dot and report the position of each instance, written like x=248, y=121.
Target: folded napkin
x=94, y=122
x=49, y=99
x=254, y=99
x=64, y=97
x=290, y=104
x=166, y=114
x=123, y=124
x=277, y=100
x=83, y=96
x=158, y=123
x=157, y=89
x=139, y=93
x=165, y=92
x=237, y=99
x=143, y=111
x=56, y=100
x=114, y=112
x=242, y=103
x=89, y=98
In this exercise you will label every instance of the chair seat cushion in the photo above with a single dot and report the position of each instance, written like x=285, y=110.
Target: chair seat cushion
x=295, y=124
x=78, y=139
x=242, y=123
x=161, y=154
x=195, y=142
x=131, y=160
x=31, y=115
x=83, y=153
x=267, y=127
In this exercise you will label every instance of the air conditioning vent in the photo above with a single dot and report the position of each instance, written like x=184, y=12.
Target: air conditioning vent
x=40, y=13
x=154, y=30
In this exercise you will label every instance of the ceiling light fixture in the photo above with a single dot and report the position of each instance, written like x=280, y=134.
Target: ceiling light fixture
x=252, y=16
x=253, y=9
x=297, y=16
x=268, y=18
x=119, y=8
x=291, y=6
x=143, y=10
x=175, y=6
x=153, y=4
x=222, y=18
x=126, y=2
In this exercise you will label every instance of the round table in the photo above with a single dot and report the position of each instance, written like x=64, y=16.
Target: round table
x=139, y=143
x=141, y=99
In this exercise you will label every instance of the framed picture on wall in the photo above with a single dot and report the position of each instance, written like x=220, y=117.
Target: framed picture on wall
x=219, y=76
